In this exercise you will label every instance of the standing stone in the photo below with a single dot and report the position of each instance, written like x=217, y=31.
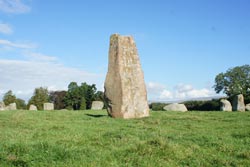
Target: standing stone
x=48, y=106
x=225, y=105
x=2, y=106
x=175, y=107
x=97, y=105
x=238, y=103
x=248, y=107
x=33, y=108
x=125, y=90
x=11, y=106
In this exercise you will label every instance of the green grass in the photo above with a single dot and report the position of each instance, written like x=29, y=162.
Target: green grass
x=91, y=138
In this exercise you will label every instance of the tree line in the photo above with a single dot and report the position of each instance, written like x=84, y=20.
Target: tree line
x=77, y=97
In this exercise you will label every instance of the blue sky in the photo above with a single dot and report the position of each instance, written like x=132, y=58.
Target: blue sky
x=183, y=44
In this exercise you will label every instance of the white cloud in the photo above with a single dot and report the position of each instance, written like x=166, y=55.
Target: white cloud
x=24, y=76
x=165, y=94
x=13, y=6
x=157, y=91
x=5, y=29
x=8, y=43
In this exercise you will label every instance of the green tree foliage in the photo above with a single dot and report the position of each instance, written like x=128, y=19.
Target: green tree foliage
x=83, y=104
x=57, y=97
x=234, y=81
x=99, y=96
x=20, y=103
x=75, y=94
x=9, y=97
x=40, y=96
x=88, y=92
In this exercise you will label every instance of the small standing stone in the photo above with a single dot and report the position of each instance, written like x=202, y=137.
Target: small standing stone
x=238, y=103
x=33, y=108
x=2, y=106
x=11, y=106
x=248, y=107
x=48, y=106
x=225, y=105
x=175, y=107
x=97, y=105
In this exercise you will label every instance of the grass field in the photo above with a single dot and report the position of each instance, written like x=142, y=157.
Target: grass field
x=91, y=138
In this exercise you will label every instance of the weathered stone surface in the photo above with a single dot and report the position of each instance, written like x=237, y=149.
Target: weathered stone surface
x=2, y=106
x=125, y=90
x=225, y=105
x=97, y=105
x=248, y=107
x=11, y=106
x=33, y=108
x=175, y=107
x=238, y=103
x=48, y=106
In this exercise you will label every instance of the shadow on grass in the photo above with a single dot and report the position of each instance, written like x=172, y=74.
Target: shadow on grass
x=96, y=116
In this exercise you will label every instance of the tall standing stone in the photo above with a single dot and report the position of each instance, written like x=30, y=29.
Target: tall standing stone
x=125, y=90
x=225, y=105
x=238, y=103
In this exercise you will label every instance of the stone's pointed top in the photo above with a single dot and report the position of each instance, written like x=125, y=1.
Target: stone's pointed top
x=125, y=39
x=116, y=35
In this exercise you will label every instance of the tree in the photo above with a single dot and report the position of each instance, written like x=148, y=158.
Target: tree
x=73, y=96
x=57, y=97
x=77, y=95
x=234, y=81
x=9, y=97
x=20, y=104
x=88, y=92
x=99, y=96
x=40, y=96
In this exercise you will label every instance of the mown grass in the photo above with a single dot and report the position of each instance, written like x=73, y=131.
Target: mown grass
x=91, y=138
